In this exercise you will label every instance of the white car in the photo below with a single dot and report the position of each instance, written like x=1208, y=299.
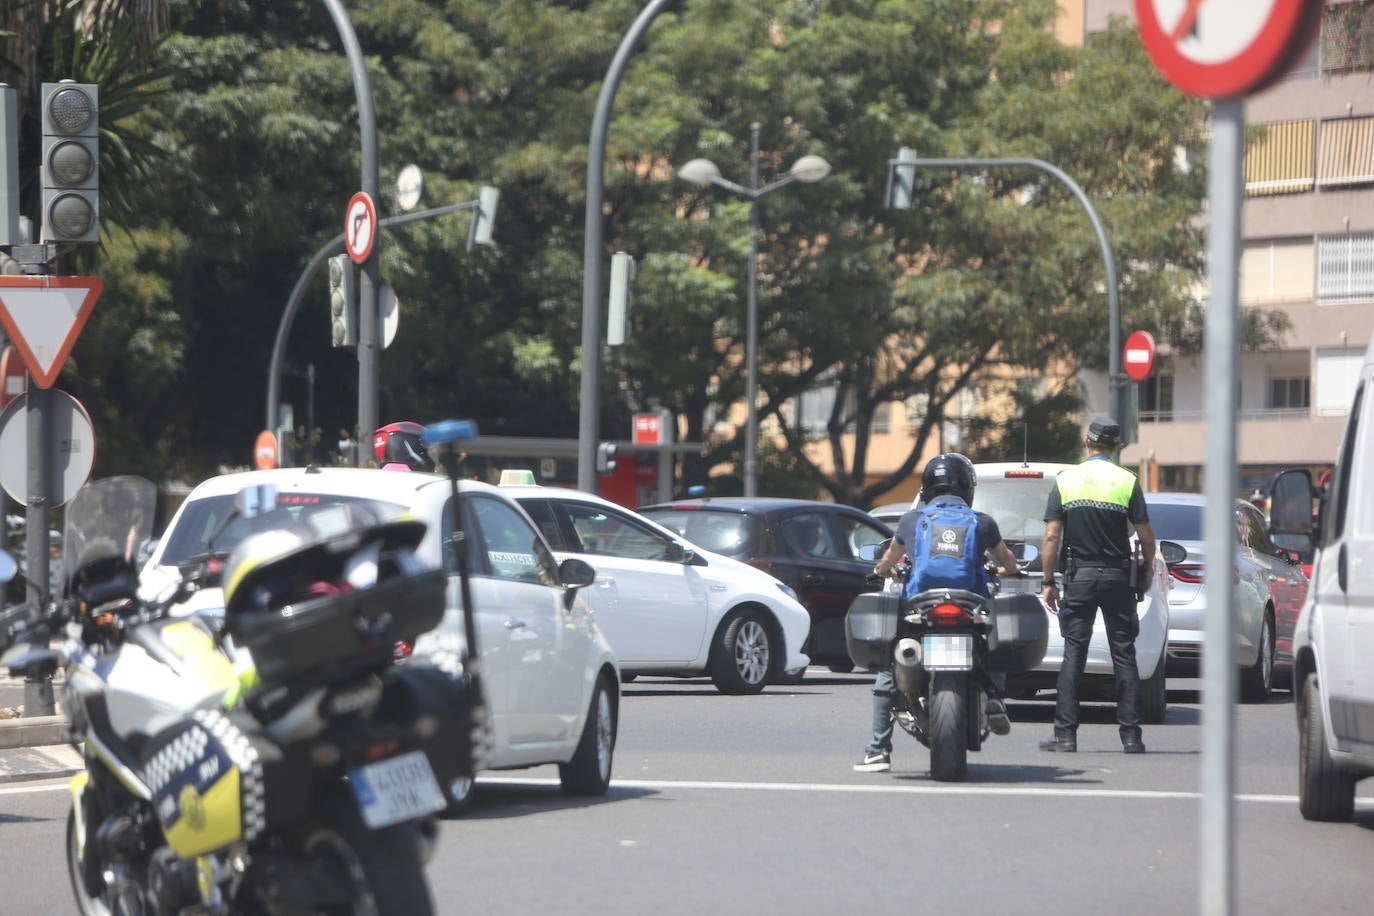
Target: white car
x=669, y=607
x=1015, y=495
x=552, y=684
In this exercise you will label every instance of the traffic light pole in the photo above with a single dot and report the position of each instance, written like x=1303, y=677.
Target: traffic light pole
x=369, y=347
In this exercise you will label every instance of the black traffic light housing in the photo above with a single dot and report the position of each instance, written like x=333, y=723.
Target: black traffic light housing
x=343, y=303
x=70, y=170
x=605, y=458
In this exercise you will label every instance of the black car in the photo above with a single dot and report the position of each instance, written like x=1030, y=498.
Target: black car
x=810, y=545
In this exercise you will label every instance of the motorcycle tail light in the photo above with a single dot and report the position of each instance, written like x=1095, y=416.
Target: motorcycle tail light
x=325, y=754
x=1187, y=572
x=946, y=613
x=380, y=750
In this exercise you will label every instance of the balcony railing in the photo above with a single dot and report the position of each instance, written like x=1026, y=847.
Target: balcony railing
x=1347, y=41
x=1250, y=413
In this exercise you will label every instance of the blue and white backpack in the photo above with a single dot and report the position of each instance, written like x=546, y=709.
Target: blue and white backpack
x=945, y=553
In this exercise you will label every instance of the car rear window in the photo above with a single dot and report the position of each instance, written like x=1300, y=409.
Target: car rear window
x=200, y=519
x=1016, y=503
x=731, y=533
x=1176, y=522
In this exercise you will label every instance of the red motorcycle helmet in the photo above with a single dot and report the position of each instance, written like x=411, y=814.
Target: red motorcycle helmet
x=399, y=444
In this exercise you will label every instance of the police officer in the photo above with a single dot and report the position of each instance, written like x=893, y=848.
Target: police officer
x=1087, y=536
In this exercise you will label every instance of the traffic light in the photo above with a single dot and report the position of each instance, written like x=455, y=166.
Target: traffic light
x=343, y=302
x=484, y=218
x=901, y=181
x=70, y=169
x=605, y=458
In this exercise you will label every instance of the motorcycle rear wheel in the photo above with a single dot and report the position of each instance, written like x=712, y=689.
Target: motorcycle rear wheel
x=948, y=725
x=381, y=868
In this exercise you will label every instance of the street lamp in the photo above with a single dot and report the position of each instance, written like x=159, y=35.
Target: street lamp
x=703, y=172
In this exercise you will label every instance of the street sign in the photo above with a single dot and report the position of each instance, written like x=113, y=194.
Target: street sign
x=360, y=227
x=265, y=450
x=71, y=448
x=1224, y=48
x=648, y=429
x=390, y=308
x=1139, y=355
x=13, y=376
x=43, y=316
x=408, y=186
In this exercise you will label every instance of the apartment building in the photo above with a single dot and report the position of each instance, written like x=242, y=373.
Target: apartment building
x=1307, y=225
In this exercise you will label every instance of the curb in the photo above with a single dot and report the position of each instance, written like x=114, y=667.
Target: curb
x=36, y=731
x=33, y=763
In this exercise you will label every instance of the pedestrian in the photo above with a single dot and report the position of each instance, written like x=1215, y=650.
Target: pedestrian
x=1088, y=518
x=947, y=479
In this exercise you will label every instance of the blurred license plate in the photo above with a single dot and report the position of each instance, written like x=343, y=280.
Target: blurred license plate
x=395, y=790
x=947, y=653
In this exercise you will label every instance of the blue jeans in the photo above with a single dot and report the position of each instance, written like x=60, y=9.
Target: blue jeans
x=885, y=702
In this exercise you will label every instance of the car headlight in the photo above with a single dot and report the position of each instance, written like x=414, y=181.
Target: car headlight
x=787, y=590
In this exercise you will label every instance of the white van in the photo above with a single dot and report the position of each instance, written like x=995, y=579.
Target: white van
x=1333, y=647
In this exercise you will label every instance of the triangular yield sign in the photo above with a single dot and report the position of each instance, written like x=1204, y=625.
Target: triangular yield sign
x=43, y=316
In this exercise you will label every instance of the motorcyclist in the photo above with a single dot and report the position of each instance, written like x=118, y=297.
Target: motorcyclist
x=947, y=477
x=398, y=448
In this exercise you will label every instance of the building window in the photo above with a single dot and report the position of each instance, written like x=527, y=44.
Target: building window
x=917, y=406
x=1347, y=40
x=1283, y=160
x=882, y=419
x=1156, y=398
x=813, y=411
x=1277, y=270
x=1290, y=393
x=1346, y=153
x=1338, y=371
x=1345, y=267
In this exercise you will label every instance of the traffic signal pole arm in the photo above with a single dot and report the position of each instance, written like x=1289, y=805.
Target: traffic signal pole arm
x=293, y=304
x=1115, y=381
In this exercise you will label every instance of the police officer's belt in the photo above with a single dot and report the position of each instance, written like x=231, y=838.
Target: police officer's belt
x=1108, y=563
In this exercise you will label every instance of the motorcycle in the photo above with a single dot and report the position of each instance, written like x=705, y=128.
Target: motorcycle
x=270, y=757
x=942, y=645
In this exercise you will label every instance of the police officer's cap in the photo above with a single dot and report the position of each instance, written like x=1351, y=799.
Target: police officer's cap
x=1104, y=431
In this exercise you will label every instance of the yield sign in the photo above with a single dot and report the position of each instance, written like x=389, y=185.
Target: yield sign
x=43, y=316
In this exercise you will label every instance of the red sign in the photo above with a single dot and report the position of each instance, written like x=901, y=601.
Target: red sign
x=360, y=227
x=1223, y=48
x=265, y=451
x=1139, y=357
x=43, y=316
x=648, y=429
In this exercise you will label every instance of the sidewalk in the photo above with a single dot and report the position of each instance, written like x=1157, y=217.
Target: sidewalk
x=32, y=748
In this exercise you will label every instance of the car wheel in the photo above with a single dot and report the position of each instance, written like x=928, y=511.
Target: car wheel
x=1154, y=695
x=1257, y=681
x=841, y=667
x=1325, y=793
x=589, y=771
x=743, y=655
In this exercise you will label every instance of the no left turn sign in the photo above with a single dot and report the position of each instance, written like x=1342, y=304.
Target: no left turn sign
x=360, y=227
x=1224, y=48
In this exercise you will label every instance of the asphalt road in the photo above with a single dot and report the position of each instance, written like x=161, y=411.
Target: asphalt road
x=748, y=805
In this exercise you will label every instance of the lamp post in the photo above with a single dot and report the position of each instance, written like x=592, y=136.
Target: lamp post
x=703, y=172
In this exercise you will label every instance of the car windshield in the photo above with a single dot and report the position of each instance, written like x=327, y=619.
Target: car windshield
x=1017, y=504
x=1176, y=521
x=190, y=537
x=730, y=533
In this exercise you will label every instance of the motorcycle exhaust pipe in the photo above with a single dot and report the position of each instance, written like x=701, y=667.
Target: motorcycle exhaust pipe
x=907, y=652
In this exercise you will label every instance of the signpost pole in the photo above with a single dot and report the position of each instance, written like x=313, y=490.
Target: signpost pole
x=38, y=696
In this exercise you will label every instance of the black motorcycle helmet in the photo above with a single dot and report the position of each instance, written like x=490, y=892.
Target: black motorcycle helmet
x=949, y=474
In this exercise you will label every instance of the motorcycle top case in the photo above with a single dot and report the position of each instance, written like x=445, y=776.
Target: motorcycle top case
x=869, y=628
x=1019, y=634
x=315, y=628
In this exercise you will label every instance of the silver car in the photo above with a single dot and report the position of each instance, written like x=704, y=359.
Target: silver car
x=1264, y=626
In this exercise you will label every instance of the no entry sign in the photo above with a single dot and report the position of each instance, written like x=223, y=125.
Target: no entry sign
x=1223, y=48
x=1139, y=356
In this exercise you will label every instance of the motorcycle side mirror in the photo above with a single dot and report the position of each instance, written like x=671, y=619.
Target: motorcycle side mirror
x=9, y=567
x=1024, y=553
x=870, y=553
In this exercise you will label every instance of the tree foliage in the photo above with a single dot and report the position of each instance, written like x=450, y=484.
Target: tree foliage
x=255, y=150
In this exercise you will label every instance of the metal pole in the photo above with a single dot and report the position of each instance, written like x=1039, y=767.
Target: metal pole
x=1222, y=348
x=293, y=302
x=1117, y=390
x=589, y=397
x=38, y=696
x=369, y=350
x=751, y=334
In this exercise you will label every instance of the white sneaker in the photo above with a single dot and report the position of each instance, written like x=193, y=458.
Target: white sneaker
x=874, y=762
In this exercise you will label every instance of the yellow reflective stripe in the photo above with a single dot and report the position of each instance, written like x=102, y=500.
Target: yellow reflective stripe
x=1096, y=482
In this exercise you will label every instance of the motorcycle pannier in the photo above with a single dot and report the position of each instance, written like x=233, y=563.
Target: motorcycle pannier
x=869, y=628
x=316, y=627
x=1019, y=634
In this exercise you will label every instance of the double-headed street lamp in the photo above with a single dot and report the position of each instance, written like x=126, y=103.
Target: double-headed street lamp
x=704, y=172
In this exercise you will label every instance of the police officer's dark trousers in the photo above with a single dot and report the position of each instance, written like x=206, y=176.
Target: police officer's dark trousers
x=1091, y=588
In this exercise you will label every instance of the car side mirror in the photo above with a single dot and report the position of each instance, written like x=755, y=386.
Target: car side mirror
x=1172, y=553
x=1291, y=509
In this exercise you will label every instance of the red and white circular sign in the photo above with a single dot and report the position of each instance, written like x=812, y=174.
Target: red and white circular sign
x=360, y=227
x=1139, y=355
x=1224, y=48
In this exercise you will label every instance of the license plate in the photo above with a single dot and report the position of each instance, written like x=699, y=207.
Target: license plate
x=947, y=653
x=395, y=790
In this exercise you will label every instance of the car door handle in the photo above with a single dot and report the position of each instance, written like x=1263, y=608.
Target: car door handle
x=812, y=579
x=513, y=624
x=605, y=581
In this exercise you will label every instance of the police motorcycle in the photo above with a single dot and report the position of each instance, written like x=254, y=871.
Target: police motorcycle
x=942, y=643
x=270, y=758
